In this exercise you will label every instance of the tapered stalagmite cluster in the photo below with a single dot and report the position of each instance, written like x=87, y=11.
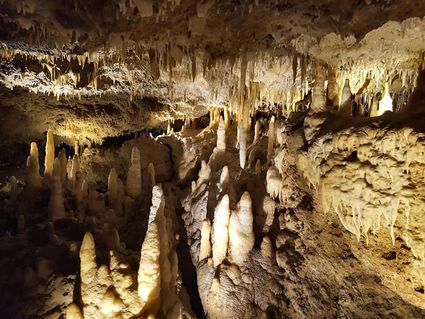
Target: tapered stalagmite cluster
x=111, y=291
x=241, y=234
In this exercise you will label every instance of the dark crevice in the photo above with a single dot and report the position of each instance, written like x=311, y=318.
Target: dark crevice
x=187, y=269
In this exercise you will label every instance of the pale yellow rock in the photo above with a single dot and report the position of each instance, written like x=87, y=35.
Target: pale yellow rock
x=205, y=249
x=73, y=312
x=241, y=233
x=220, y=231
x=50, y=153
x=88, y=266
x=221, y=135
x=274, y=182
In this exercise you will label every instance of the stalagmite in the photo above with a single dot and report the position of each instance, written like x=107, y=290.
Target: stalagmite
x=33, y=167
x=149, y=274
x=77, y=147
x=224, y=179
x=220, y=231
x=112, y=186
x=75, y=167
x=332, y=88
x=63, y=161
x=221, y=136
x=50, y=153
x=386, y=104
x=204, y=173
x=73, y=312
x=88, y=266
x=134, y=175
x=242, y=145
x=319, y=98
x=346, y=99
x=257, y=130
x=205, y=249
x=151, y=176
x=271, y=140
x=241, y=234
x=56, y=206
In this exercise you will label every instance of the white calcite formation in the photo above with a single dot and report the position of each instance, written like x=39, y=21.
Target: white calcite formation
x=274, y=182
x=221, y=136
x=318, y=103
x=242, y=145
x=75, y=167
x=116, y=291
x=220, y=231
x=134, y=175
x=204, y=173
x=50, y=153
x=257, y=130
x=33, y=178
x=346, y=99
x=205, y=248
x=241, y=234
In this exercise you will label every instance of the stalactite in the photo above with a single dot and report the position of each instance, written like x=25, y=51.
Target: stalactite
x=271, y=140
x=112, y=186
x=274, y=182
x=319, y=98
x=242, y=146
x=50, y=153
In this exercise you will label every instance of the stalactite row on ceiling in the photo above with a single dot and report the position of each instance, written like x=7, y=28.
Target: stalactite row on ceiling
x=240, y=82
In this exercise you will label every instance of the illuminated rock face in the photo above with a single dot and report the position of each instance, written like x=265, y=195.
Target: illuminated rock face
x=370, y=177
